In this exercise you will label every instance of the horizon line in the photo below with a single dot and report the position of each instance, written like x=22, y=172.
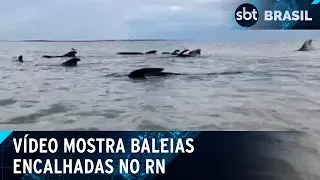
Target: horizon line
x=102, y=40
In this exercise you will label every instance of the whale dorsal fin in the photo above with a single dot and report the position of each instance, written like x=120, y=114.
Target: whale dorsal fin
x=307, y=44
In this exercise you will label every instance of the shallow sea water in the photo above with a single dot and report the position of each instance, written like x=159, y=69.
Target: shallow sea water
x=232, y=86
x=244, y=86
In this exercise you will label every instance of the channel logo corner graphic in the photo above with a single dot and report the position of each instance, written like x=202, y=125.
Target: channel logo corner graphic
x=247, y=15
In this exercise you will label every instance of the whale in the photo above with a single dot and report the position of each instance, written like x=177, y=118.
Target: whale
x=307, y=46
x=71, y=54
x=175, y=52
x=137, y=53
x=192, y=53
x=195, y=52
x=130, y=53
x=181, y=54
x=145, y=72
x=151, y=52
x=20, y=59
x=71, y=62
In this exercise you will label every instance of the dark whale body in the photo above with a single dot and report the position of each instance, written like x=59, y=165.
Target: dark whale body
x=151, y=52
x=69, y=54
x=175, y=52
x=182, y=53
x=130, y=53
x=192, y=53
x=307, y=46
x=71, y=62
x=137, y=53
x=20, y=59
x=144, y=72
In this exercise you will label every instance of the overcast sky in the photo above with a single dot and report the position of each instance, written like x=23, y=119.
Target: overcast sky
x=126, y=19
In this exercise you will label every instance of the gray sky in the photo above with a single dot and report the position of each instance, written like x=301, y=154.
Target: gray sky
x=127, y=19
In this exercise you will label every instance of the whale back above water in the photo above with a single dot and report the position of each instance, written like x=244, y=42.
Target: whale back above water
x=20, y=58
x=151, y=52
x=307, y=46
x=137, y=53
x=71, y=54
x=175, y=52
x=130, y=53
x=182, y=52
x=71, y=62
x=195, y=52
x=192, y=53
x=143, y=72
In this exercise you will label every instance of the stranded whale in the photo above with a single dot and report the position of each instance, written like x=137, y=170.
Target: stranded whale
x=195, y=52
x=130, y=53
x=151, y=52
x=307, y=46
x=175, y=52
x=71, y=62
x=144, y=72
x=20, y=59
x=71, y=53
x=137, y=53
x=192, y=53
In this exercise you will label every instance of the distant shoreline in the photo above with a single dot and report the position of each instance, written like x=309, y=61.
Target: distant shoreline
x=89, y=40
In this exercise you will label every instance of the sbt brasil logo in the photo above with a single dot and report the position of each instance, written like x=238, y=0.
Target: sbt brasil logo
x=247, y=15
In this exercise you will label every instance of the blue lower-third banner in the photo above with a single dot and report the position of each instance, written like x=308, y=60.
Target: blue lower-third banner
x=104, y=155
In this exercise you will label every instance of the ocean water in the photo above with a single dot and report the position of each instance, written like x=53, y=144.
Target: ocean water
x=231, y=86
